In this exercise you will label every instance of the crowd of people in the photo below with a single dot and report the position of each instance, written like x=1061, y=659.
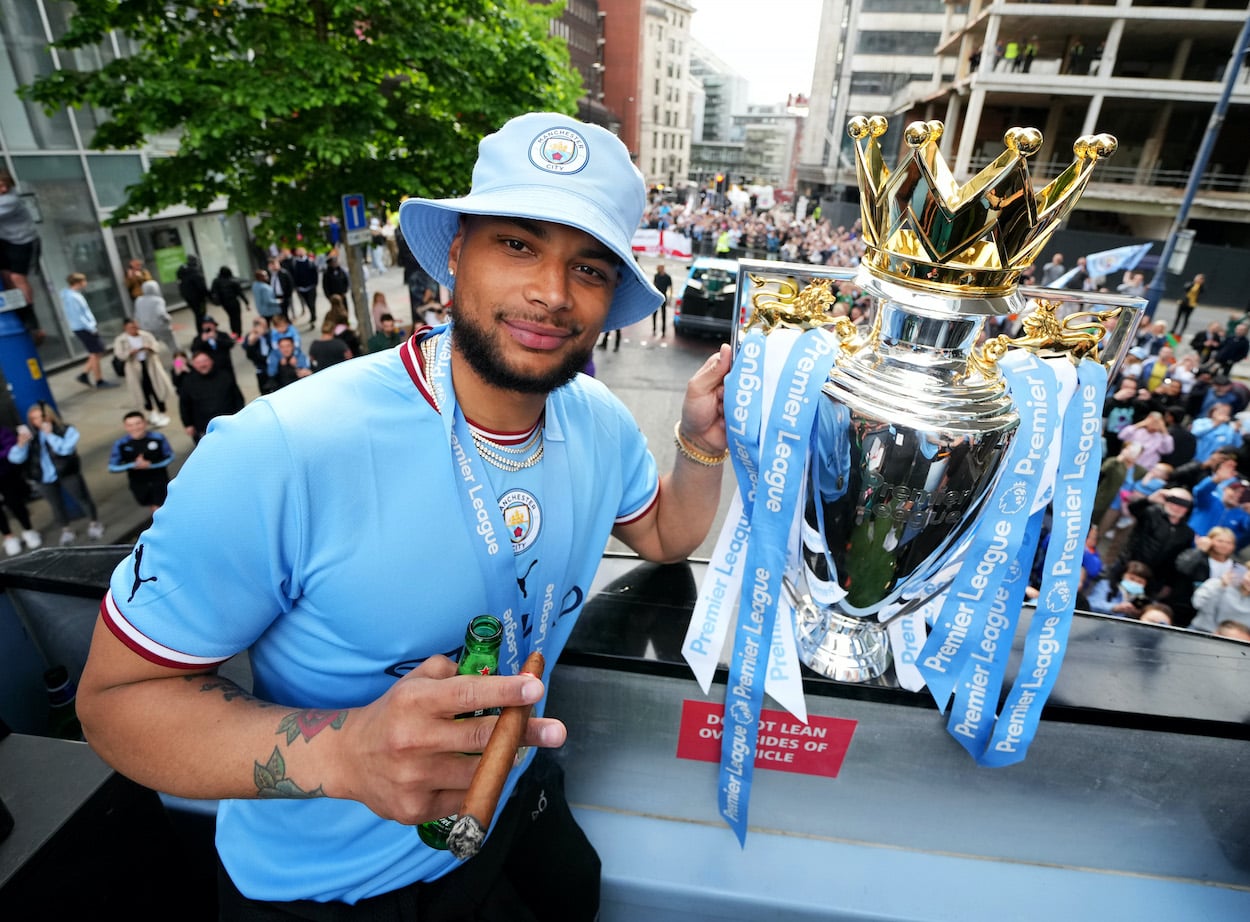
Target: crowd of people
x=39, y=457
x=1170, y=538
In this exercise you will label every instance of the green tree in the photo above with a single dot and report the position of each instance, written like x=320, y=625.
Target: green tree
x=282, y=106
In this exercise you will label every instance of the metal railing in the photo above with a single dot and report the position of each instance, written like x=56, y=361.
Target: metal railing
x=1214, y=181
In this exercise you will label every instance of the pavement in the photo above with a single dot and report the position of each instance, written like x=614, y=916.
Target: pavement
x=97, y=414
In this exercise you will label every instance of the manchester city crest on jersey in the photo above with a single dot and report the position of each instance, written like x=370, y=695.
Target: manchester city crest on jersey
x=559, y=150
x=523, y=517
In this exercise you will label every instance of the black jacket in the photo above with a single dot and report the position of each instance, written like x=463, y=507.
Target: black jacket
x=201, y=398
x=191, y=285
x=288, y=287
x=304, y=273
x=335, y=281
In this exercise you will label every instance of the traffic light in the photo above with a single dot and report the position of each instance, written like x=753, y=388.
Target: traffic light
x=720, y=182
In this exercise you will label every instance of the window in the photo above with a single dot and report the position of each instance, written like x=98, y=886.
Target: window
x=111, y=174
x=917, y=43
x=25, y=57
x=879, y=83
x=903, y=6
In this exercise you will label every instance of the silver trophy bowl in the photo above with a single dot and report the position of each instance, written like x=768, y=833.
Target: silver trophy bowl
x=911, y=432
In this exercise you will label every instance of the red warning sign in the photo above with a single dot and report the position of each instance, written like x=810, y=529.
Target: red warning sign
x=784, y=743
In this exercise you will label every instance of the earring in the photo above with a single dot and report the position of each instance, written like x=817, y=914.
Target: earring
x=451, y=270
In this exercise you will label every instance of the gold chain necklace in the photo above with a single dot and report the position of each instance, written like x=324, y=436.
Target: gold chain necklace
x=490, y=451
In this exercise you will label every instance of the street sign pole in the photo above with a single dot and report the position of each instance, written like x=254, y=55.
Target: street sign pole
x=356, y=232
x=355, y=272
x=1155, y=292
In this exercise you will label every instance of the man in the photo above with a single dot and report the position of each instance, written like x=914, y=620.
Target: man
x=1160, y=534
x=19, y=244
x=1134, y=285
x=388, y=337
x=136, y=275
x=144, y=456
x=82, y=322
x=1155, y=369
x=1027, y=54
x=1154, y=337
x=193, y=287
x=1081, y=280
x=217, y=345
x=1052, y=270
x=1184, y=445
x=1221, y=499
x=287, y=363
x=208, y=393
x=282, y=284
x=1188, y=301
x=418, y=281
x=663, y=283
x=1233, y=349
x=366, y=745
x=335, y=280
x=304, y=277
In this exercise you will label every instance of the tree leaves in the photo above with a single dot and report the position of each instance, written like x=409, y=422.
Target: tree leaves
x=281, y=107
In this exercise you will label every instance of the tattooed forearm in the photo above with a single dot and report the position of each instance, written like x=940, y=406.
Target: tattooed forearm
x=229, y=690
x=271, y=781
x=309, y=723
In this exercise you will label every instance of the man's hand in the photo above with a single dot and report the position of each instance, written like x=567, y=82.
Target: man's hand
x=703, y=412
x=408, y=758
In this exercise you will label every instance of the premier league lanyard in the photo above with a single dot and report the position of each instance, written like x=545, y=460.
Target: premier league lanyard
x=524, y=632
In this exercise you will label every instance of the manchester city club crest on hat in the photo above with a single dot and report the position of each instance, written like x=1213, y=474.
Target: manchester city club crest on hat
x=559, y=150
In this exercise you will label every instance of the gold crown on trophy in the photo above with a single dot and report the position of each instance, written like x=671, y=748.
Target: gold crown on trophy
x=924, y=230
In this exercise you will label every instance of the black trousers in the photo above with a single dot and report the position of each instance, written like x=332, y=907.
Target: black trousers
x=536, y=866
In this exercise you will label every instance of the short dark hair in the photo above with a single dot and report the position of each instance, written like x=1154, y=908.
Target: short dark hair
x=134, y=414
x=386, y=317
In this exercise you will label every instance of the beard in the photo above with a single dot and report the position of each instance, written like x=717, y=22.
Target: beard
x=479, y=347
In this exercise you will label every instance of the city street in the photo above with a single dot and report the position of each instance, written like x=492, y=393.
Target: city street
x=648, y=373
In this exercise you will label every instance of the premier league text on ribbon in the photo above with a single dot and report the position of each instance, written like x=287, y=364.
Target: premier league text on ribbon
x=786, y=436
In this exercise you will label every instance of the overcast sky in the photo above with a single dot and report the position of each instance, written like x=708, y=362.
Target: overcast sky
x=770, y=42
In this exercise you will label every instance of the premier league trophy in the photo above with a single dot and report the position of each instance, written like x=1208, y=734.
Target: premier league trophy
x=915, y=421
x=904, y=533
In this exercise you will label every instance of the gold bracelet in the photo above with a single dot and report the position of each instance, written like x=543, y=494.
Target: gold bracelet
x=693, y=454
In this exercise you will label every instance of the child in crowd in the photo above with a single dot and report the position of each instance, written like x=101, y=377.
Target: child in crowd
x=1127, y=598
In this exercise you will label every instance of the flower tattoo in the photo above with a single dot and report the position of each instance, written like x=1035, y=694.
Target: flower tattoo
x=272, y=782
x=309, y=723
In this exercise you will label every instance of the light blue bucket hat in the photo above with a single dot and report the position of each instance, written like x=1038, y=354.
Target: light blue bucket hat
x=546, y=167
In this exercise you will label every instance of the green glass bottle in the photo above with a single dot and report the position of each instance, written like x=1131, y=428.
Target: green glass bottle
x=480, y=656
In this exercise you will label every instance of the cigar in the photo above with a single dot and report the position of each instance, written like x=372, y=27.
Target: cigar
x=480, y=800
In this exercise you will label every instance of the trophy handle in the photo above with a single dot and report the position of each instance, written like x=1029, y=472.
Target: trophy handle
x=1078, y=335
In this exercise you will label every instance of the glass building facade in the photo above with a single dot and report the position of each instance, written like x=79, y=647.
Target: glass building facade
x=72, y=190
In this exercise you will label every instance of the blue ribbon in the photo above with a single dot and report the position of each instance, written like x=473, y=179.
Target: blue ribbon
x=1047, y=640
x=780, y=472
x=489, y=532
x=1000, y=533
x=745, y=386
x=981, y=680
x=967, y=651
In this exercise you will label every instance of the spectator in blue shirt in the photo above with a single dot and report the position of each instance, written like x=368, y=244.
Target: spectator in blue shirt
x=80, y=319
x=287, y=364
x=1222, y=499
